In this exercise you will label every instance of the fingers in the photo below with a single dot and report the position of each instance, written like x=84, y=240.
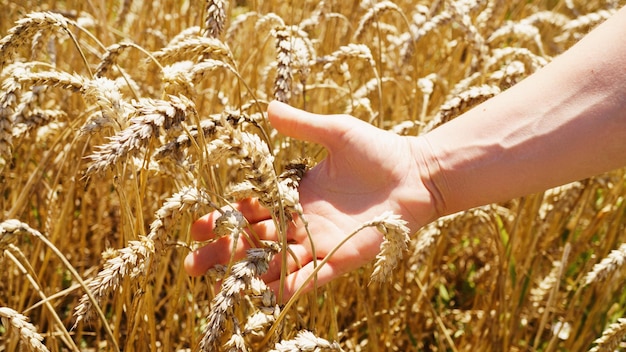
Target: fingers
x=303, y=278
x=202, y=229
x=202, y=259
x=219, y=252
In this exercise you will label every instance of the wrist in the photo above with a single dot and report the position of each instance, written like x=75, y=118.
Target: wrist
x=422, y=197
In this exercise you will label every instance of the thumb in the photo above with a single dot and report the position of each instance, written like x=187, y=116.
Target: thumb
x=300, y=124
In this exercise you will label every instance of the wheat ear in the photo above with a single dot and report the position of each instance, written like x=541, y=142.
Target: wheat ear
x=215, y=18
x=611, y=337
x=284, y=76
x=457, y=104
x=27, y=332
x=150, y=117
x=136, y=260
x=244, y=278
x=306, y=341
x=396, y=240
x=110, y=57
x=607, y=266
x=25, y=30
x=193, y=48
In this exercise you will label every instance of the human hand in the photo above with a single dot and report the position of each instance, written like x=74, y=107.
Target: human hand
x=367, y=171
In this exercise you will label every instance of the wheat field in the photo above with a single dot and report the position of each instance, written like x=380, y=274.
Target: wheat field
x=121, y=122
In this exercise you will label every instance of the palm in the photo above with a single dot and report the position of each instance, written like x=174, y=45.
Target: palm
x=363, y=176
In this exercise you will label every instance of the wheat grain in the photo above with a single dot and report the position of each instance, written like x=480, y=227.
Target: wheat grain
x=420, y=30
x=110, y=58
x=306, y=341
x=444, y=48
x=293, y=56
x=426, y=238
x=26, y=331
x=270, y=20
x=200, y=70
x=611, y=337
x=578, y=27
x=123, y=12
x=282, y=84
x=256, y=159
x=533, y=61
x=127, y=263
x=189, y=32
x=177, y=79
x=215, y=18
x=244, y=278
x=508, y=75
x=39, y=41
x=460, y=103
x=25, y=30
x=8, y=232
x=396, y=237
x=539, y=293
x=193, y=48
x=461, y=11
x=175, y=148
x=28, y=114
x=319, y=14
x=230, y=223
x=36, y=119
x=518, y=30
x=57, y=79
x=149, y=118
x=113, y=109
x=551, y=17
x=561, y=198
x=607, y=266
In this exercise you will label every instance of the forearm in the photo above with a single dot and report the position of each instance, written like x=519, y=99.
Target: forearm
x=565, y=122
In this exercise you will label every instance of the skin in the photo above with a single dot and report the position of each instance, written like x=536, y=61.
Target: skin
x=564, y=123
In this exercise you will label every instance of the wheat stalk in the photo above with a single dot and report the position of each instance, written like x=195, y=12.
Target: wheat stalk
x=237, y=23
x=371, y=15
